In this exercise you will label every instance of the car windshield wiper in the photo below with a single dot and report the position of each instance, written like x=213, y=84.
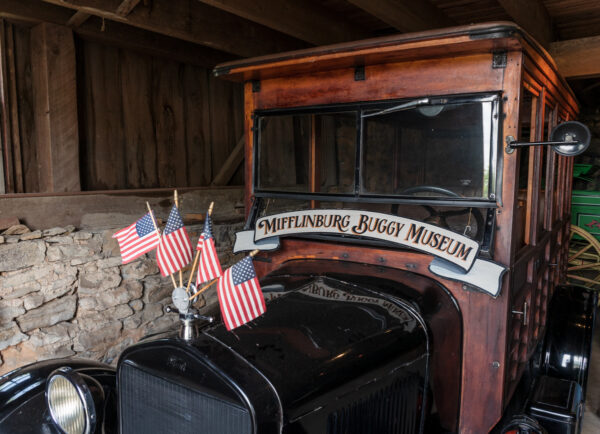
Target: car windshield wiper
x=406, y=106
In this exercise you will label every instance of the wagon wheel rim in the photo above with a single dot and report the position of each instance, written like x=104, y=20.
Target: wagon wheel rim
x=584, y=256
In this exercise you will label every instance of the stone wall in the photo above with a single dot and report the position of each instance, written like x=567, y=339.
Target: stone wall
x=64, y=292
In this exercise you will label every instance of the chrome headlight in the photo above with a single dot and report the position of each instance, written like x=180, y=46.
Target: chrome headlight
x=70, y=401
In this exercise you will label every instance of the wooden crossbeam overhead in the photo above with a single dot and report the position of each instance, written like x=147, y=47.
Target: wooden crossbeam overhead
x=195, y=22
x=311, y=23
x=35, y=11
x=126, y=7
x=577, y=58
x=532, y=16
x=78, y=19
x=406, y=15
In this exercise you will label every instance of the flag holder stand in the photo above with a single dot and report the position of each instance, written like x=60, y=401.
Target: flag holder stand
x=189, y=322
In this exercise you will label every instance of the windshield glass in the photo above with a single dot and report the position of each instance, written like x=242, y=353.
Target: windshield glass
x=441, y=150
x=307, y=152
x=415, y=149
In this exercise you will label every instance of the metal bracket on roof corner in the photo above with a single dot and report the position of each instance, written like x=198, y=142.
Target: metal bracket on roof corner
x=359, y=73
x=499, y=59
x=255, y=86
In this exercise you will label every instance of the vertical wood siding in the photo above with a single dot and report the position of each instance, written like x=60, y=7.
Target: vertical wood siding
x=144, y=121
x=148, y=122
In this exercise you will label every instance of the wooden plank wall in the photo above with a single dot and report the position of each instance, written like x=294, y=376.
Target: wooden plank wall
x=149, y=122
x=19, y=155
x=144, y=121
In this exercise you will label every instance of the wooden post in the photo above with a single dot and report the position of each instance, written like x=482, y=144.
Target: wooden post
x=55, y=106
x=6, y=180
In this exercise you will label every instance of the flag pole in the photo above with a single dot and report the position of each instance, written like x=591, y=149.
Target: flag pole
x=159, y=237
x=209, y=284
x=198, y=252
x=177, y=206
x=204, y=288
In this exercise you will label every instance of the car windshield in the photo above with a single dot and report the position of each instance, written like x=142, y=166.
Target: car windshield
x=421, y=148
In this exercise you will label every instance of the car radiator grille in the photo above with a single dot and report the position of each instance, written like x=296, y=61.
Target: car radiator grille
x=392, y=410
x=150, y=404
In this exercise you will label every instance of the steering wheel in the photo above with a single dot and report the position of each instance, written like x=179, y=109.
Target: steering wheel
x=439, y=217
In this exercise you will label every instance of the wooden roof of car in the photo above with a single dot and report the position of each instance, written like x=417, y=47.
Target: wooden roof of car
x=496, y=36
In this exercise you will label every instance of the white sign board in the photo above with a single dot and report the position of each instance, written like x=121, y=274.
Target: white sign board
x=451, y=246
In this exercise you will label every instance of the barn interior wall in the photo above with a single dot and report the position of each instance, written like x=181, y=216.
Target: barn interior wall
x=144, y=125
x=143, y=121
x=147, y=122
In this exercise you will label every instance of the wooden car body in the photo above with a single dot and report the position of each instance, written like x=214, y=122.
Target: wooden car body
x=528, y=209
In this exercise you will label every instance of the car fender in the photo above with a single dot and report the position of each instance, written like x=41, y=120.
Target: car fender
x=22, y=402
x=568, y=342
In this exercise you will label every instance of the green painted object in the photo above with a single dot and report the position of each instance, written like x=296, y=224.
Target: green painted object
x=585, y=211
x=581, y=170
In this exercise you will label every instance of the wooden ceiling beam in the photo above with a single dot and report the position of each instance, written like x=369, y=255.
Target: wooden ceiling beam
x=117, y=34
x=126, y=7
x=195, y=22
x=78, y=19
x=307, y=22
x=532, y=16
x=406, y=15
x=577, y=58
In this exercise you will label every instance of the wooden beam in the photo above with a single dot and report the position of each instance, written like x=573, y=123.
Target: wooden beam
x=533, y=16
x=117, y=209
x=78, y=19
x=231, y=164
x=577, y=58
x=311, y=23
x=194, y=22
x=12, y=180
x=13, y=103
x=55, y=107
x=151, y=43
x=122, y=35
x=6, y=184
x=406, y=15
x=126, y=7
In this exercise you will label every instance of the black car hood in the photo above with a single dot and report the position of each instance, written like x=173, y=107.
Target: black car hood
x=319, y=334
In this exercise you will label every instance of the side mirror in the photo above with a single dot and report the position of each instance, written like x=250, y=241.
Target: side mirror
x=575, y=136
x=569, y=139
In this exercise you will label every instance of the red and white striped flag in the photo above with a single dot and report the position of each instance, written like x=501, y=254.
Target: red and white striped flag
x=174, y=250
x=240, y=296
x=210, y=267
x=138, y=238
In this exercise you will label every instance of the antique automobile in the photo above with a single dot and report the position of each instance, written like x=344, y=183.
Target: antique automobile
x=409, y=197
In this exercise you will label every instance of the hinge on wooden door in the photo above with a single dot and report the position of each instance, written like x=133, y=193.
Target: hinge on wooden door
x=499, y=59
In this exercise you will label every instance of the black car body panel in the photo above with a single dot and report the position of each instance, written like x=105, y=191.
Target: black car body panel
x=22, y=403
x=568, y=343
x=295, y=369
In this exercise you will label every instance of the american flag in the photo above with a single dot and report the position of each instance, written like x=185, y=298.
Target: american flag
x=174, y=250
x=210, y=267
x=138, y=238
x=240, y=296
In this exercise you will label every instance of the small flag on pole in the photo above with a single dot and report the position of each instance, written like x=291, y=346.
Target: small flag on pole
x=174, y=250
x=137, y=238
x=240, y=296
x=210, y=267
